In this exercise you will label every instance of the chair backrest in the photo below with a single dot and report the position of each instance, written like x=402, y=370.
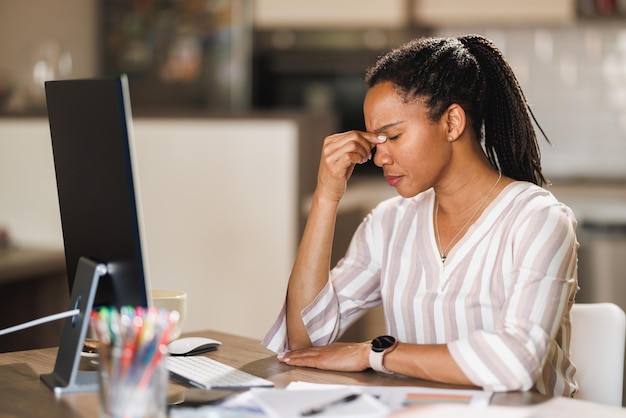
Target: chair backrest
x=597, y=351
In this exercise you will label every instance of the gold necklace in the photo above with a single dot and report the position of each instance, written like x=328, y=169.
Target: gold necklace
x=444, y=253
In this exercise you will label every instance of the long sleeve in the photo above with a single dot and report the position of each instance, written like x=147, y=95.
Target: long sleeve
x=352, y=288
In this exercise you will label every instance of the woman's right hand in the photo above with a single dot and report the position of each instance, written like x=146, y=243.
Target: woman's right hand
x=340, y=154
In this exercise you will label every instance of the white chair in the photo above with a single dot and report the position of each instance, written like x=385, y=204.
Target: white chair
x=597, y=351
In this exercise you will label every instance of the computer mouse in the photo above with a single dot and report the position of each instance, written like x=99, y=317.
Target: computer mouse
x=189, y=346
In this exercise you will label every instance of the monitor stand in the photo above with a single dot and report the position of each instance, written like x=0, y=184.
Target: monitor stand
x=66, y=377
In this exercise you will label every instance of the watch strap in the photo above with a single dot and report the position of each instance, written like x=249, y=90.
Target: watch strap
x=377, y=359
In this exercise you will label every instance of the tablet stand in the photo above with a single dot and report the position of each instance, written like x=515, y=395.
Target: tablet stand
x=66, y=377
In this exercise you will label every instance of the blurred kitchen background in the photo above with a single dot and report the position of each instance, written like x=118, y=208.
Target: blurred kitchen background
x=301, y=59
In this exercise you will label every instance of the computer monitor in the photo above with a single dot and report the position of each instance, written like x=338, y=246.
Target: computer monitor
x=91, y=130
x=92, y=144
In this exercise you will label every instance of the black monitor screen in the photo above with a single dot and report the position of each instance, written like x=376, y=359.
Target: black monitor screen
x=91, y=131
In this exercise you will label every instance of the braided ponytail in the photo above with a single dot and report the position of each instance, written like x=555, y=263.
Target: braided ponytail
x=510, y=139
x=473, y=73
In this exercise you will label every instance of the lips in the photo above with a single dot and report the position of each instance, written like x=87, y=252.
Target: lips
x=393, y=180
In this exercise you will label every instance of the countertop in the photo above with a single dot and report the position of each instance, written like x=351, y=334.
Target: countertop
x=17, y=263
x=593, y=201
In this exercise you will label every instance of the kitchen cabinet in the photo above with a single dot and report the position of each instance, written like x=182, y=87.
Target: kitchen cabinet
x=324, y=14
x=493, y=12
x=33, y=284
x=304, y=14
x=220, y=202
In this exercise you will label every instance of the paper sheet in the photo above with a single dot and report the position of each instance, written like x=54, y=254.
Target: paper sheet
x=397, y=397
x=284, y=403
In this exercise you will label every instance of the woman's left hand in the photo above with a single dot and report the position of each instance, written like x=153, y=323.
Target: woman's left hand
x=345, y=357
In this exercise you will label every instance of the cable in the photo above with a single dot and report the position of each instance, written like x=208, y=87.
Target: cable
x=40, y=321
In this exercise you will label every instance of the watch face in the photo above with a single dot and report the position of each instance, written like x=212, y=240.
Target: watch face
x=380, y=344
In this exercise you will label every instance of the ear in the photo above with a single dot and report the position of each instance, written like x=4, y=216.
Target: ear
x=455, y=120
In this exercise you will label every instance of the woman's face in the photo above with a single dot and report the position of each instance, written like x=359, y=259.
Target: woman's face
x=417, y=150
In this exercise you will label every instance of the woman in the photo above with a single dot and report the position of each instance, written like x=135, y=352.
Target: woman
x=474, y=263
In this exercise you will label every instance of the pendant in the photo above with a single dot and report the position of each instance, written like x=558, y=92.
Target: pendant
x=443, y=258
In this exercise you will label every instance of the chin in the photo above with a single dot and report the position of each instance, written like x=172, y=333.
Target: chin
x=408, y=193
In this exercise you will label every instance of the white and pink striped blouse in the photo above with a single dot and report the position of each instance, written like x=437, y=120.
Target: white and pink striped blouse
x=500, y=301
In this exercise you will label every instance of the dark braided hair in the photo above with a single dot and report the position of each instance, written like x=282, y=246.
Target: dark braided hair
x=472, y=72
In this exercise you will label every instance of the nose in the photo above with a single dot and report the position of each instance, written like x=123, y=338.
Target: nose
x=382, y=156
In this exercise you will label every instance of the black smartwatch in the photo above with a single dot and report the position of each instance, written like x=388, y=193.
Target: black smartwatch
x=379, y=347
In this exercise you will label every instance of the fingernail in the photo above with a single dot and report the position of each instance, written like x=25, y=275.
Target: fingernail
x=381, y=138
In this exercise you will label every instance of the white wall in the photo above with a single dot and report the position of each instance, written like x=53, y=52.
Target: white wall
x=218, y=201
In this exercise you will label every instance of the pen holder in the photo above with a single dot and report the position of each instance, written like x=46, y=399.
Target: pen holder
x=133, y=355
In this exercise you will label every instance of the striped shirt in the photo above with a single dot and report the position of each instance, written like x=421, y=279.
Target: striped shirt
x=500, y=301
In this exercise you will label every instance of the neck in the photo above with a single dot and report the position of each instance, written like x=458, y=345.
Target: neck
x=443, y=251
x=463, y=193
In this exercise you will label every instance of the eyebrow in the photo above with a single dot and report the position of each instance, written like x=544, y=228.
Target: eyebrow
x=387, y=126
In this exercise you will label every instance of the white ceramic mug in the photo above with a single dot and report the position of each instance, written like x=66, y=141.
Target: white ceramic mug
x=172, y=300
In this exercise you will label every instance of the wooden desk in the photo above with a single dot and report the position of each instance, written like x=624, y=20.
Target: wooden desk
x=23, y=395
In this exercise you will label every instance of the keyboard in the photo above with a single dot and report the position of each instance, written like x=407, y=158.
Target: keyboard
x=206, y=373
